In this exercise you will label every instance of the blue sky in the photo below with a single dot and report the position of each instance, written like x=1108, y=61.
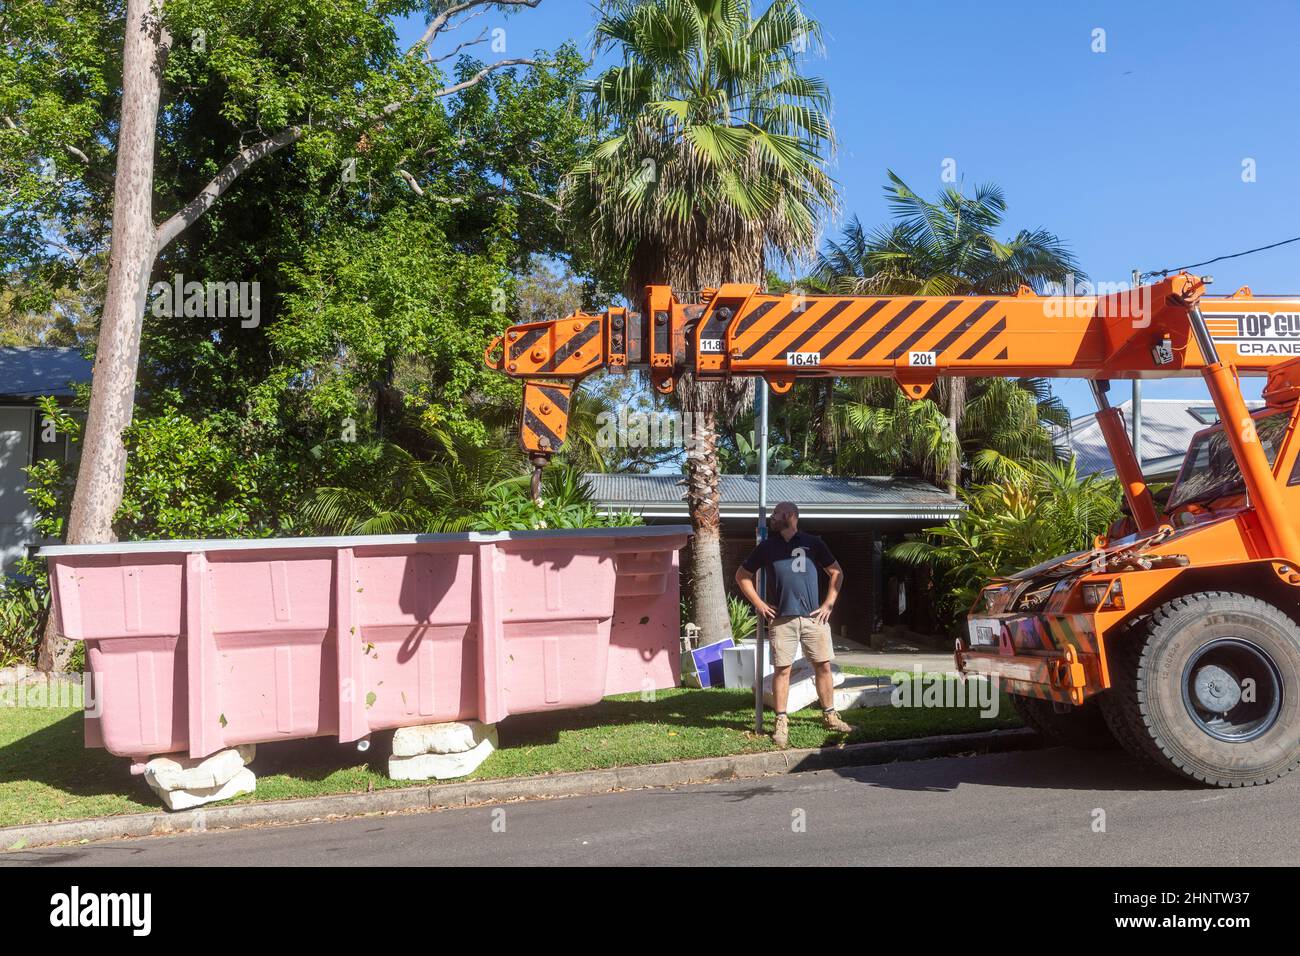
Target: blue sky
x=1133, y=155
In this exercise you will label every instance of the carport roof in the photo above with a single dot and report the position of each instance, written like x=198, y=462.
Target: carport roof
x=869, y=498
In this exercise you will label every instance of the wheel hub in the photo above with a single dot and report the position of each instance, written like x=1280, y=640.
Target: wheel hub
x=1232, y=690
x=1217, y=689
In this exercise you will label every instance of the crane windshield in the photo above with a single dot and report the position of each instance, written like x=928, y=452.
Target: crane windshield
x=1210, y=471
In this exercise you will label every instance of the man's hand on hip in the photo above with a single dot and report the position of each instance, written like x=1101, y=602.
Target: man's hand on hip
x=823, y=614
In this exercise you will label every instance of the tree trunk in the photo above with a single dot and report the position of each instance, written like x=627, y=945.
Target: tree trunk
x=703, y=499
x=131, y=255
x=828, y=416
x=956, y=406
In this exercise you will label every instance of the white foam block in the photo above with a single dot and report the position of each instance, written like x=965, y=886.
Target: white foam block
x=453, y=737
x=803, y=690
x=175, y=772
x=442, y=766
x=242, y=782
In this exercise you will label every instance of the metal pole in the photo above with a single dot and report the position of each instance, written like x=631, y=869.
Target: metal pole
x=1127, y=470
x=760, y=632
x=1204, y=341
x=1137, y=398
x=1137, y=420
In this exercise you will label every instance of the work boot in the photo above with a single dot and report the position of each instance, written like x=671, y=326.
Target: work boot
x=781, y=732
x=831, y=718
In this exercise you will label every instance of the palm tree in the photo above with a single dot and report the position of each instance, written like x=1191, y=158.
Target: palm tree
x=946, y=247
x=392, y=491
x=1005, y=421
x=711, y=160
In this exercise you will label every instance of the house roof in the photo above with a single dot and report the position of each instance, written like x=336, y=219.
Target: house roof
x=818, y=496
x=32, y=371
x=1168, y=425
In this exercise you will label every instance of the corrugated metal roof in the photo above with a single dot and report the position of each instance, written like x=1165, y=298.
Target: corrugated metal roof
x=816, y=495
x=32, y=371
x=1168, y=426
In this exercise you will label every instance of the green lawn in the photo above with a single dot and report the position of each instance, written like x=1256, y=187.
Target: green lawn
x=46, y=773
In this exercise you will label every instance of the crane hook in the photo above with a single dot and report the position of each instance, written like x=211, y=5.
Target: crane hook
x=539, y=461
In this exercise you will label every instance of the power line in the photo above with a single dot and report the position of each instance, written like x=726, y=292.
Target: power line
x=1235, y=255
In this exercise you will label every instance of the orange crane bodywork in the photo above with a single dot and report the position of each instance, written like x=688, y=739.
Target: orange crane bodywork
x=1049, y=643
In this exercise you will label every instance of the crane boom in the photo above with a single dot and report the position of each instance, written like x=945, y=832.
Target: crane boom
x=1168, y=328
x=738, y=330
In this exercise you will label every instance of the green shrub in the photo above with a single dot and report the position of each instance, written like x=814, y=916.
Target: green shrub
x=24, y=607
x=566, y=502
x=1027, y=515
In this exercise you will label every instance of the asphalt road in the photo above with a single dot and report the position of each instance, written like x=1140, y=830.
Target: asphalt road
x=1030, y=807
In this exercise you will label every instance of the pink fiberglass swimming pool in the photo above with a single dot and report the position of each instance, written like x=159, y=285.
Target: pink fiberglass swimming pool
x=195, y=646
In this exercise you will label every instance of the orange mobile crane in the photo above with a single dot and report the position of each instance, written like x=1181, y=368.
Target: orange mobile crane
x=1176, y=635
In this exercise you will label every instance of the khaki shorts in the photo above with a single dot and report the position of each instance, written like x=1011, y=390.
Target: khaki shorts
x=787, y=633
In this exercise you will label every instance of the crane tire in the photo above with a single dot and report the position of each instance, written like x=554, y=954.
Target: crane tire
x=1082, y=728
x=1207, y=686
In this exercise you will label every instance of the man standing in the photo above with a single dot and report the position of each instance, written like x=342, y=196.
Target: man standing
x=790, y=559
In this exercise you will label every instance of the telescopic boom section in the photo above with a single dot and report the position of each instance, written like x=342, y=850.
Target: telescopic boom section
x=912, y=339
x=1165, y=329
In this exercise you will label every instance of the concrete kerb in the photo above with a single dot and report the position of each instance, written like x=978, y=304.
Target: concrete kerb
x=450, y=795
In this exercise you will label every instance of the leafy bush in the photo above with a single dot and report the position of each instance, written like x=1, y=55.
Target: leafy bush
x=24, y=606
x=382, y=488
x=566, y=502
x=186, y=477
x=1032, y=513
x=743, y=618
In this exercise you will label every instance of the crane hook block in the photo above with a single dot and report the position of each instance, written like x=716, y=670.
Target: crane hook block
x=544, y=417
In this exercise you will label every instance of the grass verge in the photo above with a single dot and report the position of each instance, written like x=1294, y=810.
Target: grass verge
x=47, y=774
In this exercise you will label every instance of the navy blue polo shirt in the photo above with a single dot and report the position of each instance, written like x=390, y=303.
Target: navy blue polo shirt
x=790, y=571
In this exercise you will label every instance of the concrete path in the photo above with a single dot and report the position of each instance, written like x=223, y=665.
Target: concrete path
x=856, y=655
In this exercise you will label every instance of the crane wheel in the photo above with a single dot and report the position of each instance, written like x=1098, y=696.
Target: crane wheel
x=1208, y=686
x=1082, y=728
